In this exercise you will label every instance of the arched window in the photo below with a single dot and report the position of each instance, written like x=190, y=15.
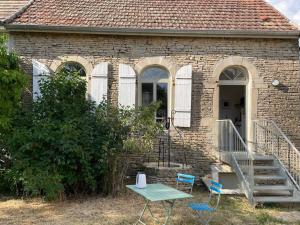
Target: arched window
x=234, y=75
x=155, y=87
x=74, y=67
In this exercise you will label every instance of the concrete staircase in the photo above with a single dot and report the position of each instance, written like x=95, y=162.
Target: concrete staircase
x=271, y=183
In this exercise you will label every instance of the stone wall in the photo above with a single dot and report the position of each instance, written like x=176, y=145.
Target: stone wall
x=273, y=59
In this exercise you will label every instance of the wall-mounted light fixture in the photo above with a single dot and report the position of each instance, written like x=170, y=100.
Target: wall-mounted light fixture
x=275, y=83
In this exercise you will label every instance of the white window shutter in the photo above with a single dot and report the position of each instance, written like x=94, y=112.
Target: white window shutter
x=39, y=71
x=127, y=86
x=183, y=97
x=99, y=82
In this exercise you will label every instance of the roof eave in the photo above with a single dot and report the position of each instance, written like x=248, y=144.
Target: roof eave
x=154, y=32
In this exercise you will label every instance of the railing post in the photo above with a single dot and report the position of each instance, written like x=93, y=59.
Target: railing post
x=278, y=146
x=230, y=136
x=289, y=158
x=251, y=183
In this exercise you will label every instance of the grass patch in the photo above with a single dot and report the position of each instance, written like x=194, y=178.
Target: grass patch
x=124, y=210
x=266, y=219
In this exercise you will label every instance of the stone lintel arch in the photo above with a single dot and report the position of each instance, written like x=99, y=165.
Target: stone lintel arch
x=156, y=61
x=235, y=61
x=59, y=61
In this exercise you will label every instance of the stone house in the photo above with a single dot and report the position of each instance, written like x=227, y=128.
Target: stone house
x=206, y=61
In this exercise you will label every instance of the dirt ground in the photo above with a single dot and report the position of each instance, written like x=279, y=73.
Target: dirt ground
x=125, y=209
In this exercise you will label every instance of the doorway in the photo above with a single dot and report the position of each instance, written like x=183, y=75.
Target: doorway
x=233, y=83
x=232, y=106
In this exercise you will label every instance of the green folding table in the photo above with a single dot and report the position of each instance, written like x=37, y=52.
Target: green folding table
x=159, y=193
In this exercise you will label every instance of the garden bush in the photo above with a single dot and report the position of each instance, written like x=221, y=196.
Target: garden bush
x=66, y=145
x=12, y=83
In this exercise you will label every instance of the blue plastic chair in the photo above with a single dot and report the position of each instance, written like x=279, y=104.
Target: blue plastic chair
x=205, y=210
x=187, y=180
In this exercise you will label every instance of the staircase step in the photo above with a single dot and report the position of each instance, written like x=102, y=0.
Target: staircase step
x=266, y=179
x=263, y=157
x=262, y=170
x=259, y=160
x=266, y=170
x=269, y=177
x=272, y=188
x=278, y=199
x=260, y=167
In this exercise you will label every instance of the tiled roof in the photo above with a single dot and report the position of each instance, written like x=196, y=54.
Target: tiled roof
x=10, y=7
x=179, y=15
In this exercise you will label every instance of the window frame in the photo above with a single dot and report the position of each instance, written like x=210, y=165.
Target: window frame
x=86, y=77
x=234, y=81
x=167, y=81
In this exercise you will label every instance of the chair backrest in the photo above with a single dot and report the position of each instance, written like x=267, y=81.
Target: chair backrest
x=215, y=188
x=187, y=179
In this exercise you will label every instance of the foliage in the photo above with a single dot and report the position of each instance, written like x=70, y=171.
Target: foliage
x=12, y=83
x=130, y=131
x=67, y=145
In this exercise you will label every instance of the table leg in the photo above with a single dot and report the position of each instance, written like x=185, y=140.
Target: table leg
x=146, y=206
x=142, y=214
x=168, y=211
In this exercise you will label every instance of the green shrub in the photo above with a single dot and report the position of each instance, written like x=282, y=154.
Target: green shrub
x=12, y=83
x=66, y=145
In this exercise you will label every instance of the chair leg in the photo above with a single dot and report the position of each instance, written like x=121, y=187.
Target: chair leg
x=191, y=190
x=209, y=219
x=204, y=219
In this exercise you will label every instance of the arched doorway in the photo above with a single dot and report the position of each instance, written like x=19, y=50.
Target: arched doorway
x=233, y=83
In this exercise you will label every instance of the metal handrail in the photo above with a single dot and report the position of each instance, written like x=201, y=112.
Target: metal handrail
x=268, y=134
x=235, y=146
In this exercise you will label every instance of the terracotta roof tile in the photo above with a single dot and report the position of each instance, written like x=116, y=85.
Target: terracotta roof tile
x=185, y=15
x=10, y=7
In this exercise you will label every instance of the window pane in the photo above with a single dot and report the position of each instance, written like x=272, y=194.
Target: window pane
x=162, y=97
x=73, y=67
x=154, y=74
x=233, y=74
x=147, y=93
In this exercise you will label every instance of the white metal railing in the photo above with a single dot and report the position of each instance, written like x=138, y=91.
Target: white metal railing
x=269, y=139
x=234, y=151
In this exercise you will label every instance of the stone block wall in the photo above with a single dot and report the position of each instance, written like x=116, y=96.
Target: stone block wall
x=273, y=59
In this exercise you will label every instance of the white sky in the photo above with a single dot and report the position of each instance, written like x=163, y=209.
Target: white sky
x=290, y=8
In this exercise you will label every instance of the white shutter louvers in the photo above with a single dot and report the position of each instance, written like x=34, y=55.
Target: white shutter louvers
x=183, y=97
x=39, y=71
x=127, y=86
x=99, y=82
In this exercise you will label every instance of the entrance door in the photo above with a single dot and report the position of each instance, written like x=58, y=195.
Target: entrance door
x=233, y=107
x=233, y=103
